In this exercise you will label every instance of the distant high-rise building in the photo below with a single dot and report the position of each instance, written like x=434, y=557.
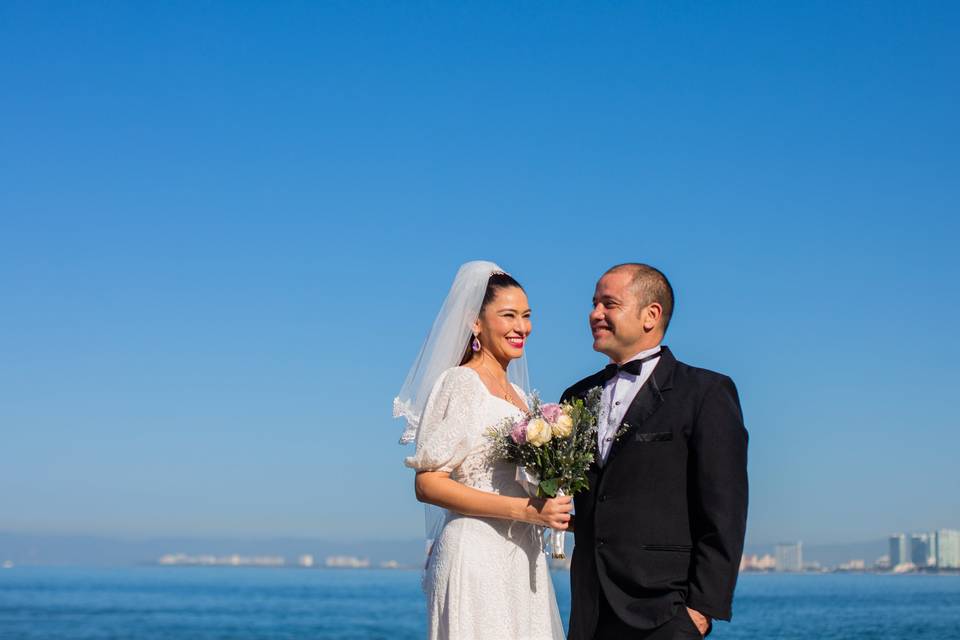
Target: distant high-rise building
x=899, y=549
x=789, y=556
x=920, y=544
x=933, y=548
x=948, y=549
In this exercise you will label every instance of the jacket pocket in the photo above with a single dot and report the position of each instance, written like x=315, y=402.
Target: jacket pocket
x=656, y=436
x=665, y=547
x=650, y=567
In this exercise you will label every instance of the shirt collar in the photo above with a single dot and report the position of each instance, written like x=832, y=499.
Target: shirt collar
x=643, y=354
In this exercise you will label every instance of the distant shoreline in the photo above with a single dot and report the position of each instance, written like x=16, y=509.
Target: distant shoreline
x=407, y=569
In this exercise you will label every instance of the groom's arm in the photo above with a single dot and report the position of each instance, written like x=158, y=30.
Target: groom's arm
x=718, y=506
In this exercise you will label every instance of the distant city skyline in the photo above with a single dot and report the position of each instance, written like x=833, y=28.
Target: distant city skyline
x=939, y=549
x=224, y=233
x=933, y=550
x=792, y=556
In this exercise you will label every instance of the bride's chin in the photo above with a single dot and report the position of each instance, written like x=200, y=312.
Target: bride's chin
x=511, y=349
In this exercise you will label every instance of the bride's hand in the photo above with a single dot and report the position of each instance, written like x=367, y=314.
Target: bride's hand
x=550, y=512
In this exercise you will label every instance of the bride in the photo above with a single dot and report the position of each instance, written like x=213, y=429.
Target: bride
x=486, y=575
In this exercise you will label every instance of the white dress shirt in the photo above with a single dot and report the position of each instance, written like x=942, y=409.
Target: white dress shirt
x=618, y=393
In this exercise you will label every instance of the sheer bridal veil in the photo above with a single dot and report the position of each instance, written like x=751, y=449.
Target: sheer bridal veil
x=445, y=344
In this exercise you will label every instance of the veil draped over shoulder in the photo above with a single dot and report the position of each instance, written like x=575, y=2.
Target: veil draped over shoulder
x=445, y=344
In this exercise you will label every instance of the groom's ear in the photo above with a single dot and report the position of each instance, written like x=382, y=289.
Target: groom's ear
x=651, y=316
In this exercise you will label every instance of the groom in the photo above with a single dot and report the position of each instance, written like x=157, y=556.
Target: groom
x=659, y=534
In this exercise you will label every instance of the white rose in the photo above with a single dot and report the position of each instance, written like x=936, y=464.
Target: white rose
x=563, y=427
x=538, y=432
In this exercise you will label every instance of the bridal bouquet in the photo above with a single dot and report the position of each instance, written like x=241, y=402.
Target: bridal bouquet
x=553, y=447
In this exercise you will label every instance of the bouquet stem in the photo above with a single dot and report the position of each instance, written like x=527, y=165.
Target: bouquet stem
x=557, y=539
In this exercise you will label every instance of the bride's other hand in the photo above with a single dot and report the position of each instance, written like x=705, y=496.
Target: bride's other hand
x=550, y=512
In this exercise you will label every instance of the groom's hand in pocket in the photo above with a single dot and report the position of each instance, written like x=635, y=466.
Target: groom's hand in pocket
x=701, y=621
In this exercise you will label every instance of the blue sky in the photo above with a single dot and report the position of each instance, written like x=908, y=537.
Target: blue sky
x=226, y=227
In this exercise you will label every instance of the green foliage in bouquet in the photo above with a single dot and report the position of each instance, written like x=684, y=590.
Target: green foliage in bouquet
x=556, y=443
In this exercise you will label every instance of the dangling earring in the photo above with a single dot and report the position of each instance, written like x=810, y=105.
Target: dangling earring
x=475, y=345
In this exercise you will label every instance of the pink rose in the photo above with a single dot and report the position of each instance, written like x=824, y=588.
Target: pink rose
x=519, y=432
x=551, y=411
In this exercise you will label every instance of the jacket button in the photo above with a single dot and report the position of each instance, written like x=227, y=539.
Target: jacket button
x=599, y=542
x=603, y=498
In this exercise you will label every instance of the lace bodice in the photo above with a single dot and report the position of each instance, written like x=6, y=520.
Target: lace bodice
x=453, y=433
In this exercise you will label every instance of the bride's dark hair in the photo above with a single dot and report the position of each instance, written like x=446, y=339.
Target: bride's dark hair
x=497, y=281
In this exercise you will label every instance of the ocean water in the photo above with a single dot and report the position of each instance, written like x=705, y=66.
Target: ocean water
x=154, y=603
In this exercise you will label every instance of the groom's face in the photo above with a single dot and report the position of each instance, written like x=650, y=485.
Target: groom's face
x=616, y=321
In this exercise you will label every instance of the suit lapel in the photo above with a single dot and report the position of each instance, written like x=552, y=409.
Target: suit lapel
x=647, y=400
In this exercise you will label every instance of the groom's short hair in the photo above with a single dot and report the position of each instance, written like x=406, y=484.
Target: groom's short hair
x=650, y=285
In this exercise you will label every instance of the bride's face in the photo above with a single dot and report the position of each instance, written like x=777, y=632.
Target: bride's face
x=504, y=324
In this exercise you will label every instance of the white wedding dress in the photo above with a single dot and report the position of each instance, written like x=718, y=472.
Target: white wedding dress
x=486, y=577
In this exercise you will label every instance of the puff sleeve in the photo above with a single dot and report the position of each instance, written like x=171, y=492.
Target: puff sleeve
x=450, y=425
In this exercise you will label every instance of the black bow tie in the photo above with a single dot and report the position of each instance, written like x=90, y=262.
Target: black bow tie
x=633, y=367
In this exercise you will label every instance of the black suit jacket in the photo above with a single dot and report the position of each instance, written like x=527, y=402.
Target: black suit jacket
x=663, y=522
